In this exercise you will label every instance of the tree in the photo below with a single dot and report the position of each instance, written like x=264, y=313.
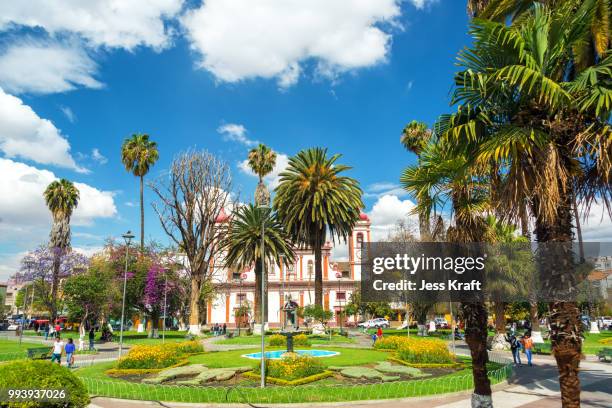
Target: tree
x=86, y=296
x=192, y=196
x=314, y=199
x=62, y=197
x=444, y=176
x=39, y=268
x=318, y=314
x=242, y=245
x=262, y=160
x=415, y=138
x=528, y=108
x=138, y=155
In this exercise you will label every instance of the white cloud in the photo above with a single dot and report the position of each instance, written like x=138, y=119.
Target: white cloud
x=109, y=23
x=242, y=39
x=420, y=4
x=23, y=212
x=68, y=113
x=383, y=188
x=24, y=134
x=598, y=225
x=98, y=157
x=233, y=132
x=131, y=204
x=272, y=179
x=35, y=66
x=386, y=213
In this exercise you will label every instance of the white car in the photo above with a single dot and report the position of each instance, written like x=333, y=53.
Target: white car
x=375, y=323
x=12, y=327
x=606, y=321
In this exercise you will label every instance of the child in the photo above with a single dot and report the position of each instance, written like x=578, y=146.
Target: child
x=69, y=349
x=374, y=338
x=527, y=345
x=379, y=333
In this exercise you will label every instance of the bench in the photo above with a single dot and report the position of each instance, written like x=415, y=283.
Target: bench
x=604, y=354
x=39, y=353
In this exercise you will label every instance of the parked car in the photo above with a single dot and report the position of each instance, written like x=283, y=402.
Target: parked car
x=375, y=323
x=441, y=323
x=12, y=327
x=606, y=322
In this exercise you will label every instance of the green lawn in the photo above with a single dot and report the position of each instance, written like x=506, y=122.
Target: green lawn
x=12, y=346
x=133, y=337
x=591, y=344
x=256, y=340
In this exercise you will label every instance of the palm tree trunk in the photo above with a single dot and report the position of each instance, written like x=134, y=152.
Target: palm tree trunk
x=257, y=299
x=141, y=214
x=578, y=227
x=318, y=270
x=424, y=230
x=565, y=325
x=475, y=316
x=500, y=318
x=55, y=282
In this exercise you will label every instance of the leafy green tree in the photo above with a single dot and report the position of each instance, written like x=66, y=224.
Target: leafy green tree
x=62, y=197
x=138, y=155
x=313, y=199
x=262, y=160
x=318, y=314
x=242, y=243
x=86, y=295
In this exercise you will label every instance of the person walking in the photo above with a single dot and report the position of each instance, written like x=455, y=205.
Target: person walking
x=515, y=346
x=379, y=333
x=69, y=349
x=56, y=350
x=527, y=342
x=92, y=336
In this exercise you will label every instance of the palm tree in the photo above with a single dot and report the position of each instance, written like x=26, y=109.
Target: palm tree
x=138, y=154
x=528, y=107
x=262, y=160
x=242, y=244
x=313, y=198
x=443, y=176
x=415, y=137
x=62, y=197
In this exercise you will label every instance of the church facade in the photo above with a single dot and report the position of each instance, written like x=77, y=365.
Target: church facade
x=289, y=284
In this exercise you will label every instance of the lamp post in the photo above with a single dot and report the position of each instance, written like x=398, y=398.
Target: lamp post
x=165, y=307
x=128, y=236
x=450, y=305
x=28, y=264
x=264, y=208
x=338, y=277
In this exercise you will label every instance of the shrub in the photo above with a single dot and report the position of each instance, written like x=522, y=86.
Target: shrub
x=277, y=340
x=156, y=356
x=27, y=374
x=293, y=367
x=391, y=342
x=301, y=340
x=607, y=340
x=187, y=347
x=425, y=352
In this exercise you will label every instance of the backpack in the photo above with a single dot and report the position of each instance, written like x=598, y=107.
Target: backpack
x=514, y=343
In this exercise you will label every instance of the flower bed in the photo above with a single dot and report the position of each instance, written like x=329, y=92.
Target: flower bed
x=278, y=340
x=299, y=381
x=293, y=368
x=424, y=352
x=158, y=356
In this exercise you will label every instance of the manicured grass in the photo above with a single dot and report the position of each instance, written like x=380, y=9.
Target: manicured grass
x=591, y=344
x=234, y=358
x=255, y=340
x=13, y=346
x=133, y=337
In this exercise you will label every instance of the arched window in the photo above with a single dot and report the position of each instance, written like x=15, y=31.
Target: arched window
x=310, y=269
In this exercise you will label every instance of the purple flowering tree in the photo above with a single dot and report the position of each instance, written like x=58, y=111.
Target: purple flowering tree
x=161, y=286
x=37, y=269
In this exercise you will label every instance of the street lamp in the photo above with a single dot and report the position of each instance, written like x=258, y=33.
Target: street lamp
x=28, y=262
x=128, y=236
x=338, y=277
x=165, y=302
x=264, y=208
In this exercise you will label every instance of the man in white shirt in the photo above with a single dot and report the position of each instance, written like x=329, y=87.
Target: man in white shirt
x=56, y=353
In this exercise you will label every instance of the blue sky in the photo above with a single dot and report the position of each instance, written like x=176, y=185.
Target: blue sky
x=76, y=79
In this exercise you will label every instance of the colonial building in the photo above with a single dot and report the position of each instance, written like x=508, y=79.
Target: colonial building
x=291, y=282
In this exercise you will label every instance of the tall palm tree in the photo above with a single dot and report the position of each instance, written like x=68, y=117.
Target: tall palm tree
x=242, y=244
x=62, y=197
x=442, y=177
x=528, y=107
x=262, y=160
x=138, y=154
x=313, y=198
x=415, y=138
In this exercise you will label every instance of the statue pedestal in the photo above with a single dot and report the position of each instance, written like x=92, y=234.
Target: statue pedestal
x=257, y=328
x=140, y=328
x=594, y=328
x=536, y=336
